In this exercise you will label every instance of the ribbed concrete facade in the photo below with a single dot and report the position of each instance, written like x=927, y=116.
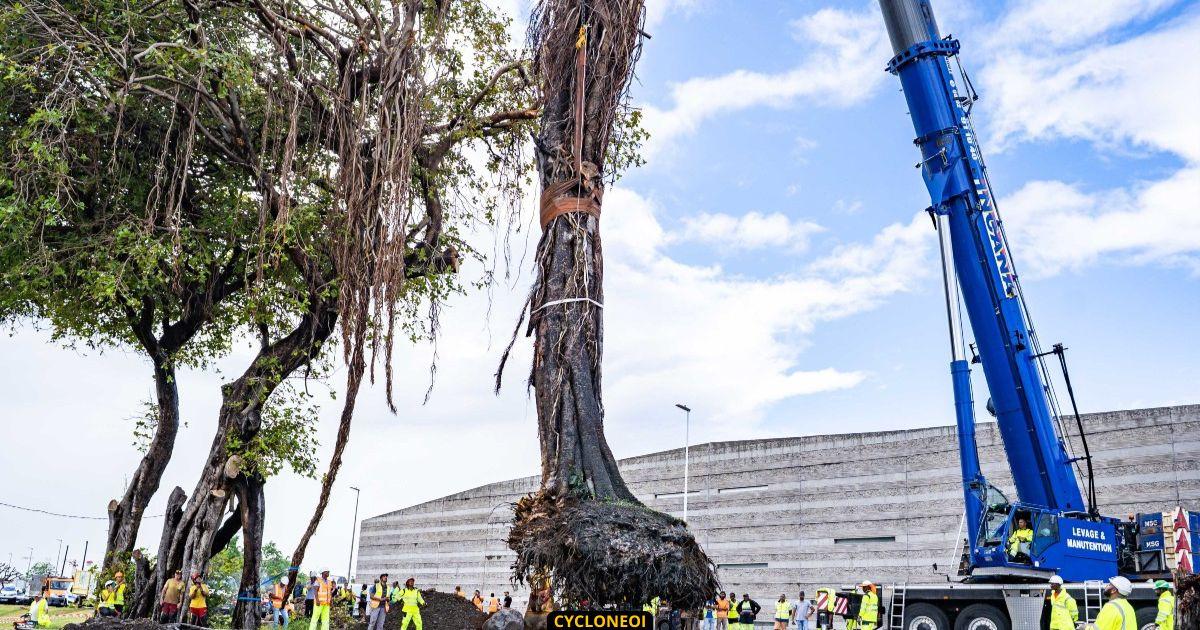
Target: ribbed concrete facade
x=824, y=509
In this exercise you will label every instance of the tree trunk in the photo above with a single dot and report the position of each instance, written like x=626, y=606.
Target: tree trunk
x=125, y=516
x=193, y=537
x=145, y=604
x=251, y=510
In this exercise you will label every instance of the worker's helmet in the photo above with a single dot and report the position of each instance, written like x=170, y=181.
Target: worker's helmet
x=1122, y=584
x=110, y=583
x=1161, y=585
x=324, y=571
x=1056, y=579
x=410, y=582
x=283, y=580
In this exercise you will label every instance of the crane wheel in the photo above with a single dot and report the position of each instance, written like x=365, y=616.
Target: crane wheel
x=925, y=617
x=1145, y=618
x=981, y=617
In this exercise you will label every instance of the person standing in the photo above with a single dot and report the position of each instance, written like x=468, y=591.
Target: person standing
x=310, y=594
x=507, y=600
x=747, y=610
x=459, y=592
x=1117, y=613
x=172, y=598
x=198, y=601
x=721, y=612
x=477, y=599
x=379, y=602
x=868, y=609
x=710, y=619
x=734, y=623
x=119, y=594
x=803, y=611
x=413, y=601
x=394, y=594
x=322, y=598
x=493, y=604
x=279, y=615
x=783, y=612
x=1064, y=612
x=362, y=602
x=1165, y=619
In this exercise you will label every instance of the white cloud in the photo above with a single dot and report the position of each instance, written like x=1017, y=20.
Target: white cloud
x=1061, y=227
x=657, y=10
x=1142, y=91
x=752, y=230
x=1058, y=23
x=842, y=67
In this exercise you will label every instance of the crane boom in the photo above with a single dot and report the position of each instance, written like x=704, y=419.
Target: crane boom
x=978, y=271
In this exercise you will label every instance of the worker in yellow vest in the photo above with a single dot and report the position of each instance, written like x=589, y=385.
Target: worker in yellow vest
x=1022, y=535
x=1165, y=620
x=378, y=603
x=868, y=608
x=1064, y=612
x=321, y=602
x=119, y=593
x=826, y=597
x=394, y=594
x=198, y=600
x=412, y=602
x=1117, y=613
x=783, y=612
x=38, y=615
x=104, y=606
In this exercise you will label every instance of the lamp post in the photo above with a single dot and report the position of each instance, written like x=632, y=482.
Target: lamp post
x=687, y=443
x=353, y=531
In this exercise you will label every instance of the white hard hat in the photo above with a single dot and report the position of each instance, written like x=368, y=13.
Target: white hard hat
x=283, y=580
x=1056, y=579
x=324, y=570
x=1122, y=584
x=865, y=583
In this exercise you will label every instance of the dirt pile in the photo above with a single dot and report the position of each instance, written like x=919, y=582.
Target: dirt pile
x=613, y=553
x=112, y=623
x=442, y=611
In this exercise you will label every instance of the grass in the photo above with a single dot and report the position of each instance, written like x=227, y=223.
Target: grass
x=59, y=617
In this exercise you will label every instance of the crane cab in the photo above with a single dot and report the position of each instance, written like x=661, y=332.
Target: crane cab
x=1022, y=540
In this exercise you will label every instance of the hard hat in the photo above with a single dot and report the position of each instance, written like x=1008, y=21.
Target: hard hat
x=324, y=570
x=1161, y=584
x=865, y=583
x=1056, y=579
x=110, y=583
x=1123, y=585
x=283, y=580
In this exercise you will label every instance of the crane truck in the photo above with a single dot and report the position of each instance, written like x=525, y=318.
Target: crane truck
x=1002, y=581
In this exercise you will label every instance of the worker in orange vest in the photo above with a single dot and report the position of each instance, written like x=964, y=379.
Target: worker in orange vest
x=278, y=600
x=321, y=602
x=721, y=610
x=493, y=603
x=477, y=599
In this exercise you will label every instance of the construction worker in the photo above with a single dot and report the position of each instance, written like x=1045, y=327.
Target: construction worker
x=119, y=593
x=651, y=606
x=826, y=597
x=412, y=601
x=1064, y=612
x=378, y=605
x=734, y=622
x=721, y=612
x=321, y=602
x=493, y=604
x=172, y=598
x=783, y=612
x=279, y=614
x=1021, y=535
x=1165, y=620
x=1117, y=613
x=868, y=608
x=477, y=599
x=104, y=606
x=38, y=615
x=198, y=601
x=394, y=594
x=747, y=610
x=459, y=592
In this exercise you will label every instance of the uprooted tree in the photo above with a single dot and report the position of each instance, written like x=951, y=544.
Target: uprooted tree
x=584, y=528
x=254, y=156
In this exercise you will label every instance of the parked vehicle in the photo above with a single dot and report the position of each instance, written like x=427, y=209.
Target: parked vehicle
x=12, y=594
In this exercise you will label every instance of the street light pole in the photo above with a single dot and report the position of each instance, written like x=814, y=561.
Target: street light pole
x=687, y=444
x=57, y=554
x=353, y=531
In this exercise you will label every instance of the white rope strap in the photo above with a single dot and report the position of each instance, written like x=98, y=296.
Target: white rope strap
x=568, y=300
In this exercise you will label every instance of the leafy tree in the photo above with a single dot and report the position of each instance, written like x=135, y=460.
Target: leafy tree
x=8, y=573
x=36, y=571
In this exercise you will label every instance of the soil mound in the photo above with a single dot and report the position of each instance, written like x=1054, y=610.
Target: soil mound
x=609, y=553
x=113, y=623
x=442, y=611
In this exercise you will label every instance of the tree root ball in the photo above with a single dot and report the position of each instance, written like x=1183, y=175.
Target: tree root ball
x=609, y=553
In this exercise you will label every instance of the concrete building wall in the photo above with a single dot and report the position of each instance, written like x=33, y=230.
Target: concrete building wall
x=778, y=513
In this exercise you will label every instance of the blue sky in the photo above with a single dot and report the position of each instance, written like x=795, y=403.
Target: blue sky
x=770, y=265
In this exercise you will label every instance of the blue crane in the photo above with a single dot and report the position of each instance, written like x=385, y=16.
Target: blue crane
x=1069, y=536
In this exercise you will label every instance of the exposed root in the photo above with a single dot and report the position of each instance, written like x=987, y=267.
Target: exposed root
x=609, y=553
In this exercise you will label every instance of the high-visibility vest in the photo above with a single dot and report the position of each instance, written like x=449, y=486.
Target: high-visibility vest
x=381, y=592
x=825, y=599
x=412, y=599
x=394, y=594
x=868, y=609
x=1018, y=537
x=783, y=610
x=1117, y=614
x=324, y=592
x=1064, y=612
x=1166, y=611
x=119, y=598
x=493, y=604
x=39, y=613
x=478, y=601
x=277, y=596
x=722, y=608
x=651, y=606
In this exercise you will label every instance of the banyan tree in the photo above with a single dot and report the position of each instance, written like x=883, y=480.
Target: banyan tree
x=584, y=530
